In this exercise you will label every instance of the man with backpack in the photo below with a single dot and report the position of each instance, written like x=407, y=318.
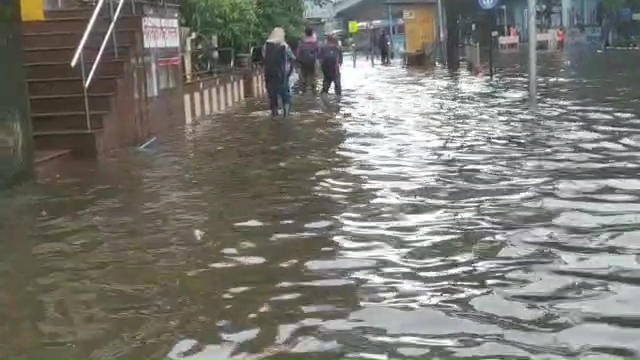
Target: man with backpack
x=330, y=63
x=307, y=55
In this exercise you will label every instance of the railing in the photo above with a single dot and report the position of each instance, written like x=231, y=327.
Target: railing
x=79, y=56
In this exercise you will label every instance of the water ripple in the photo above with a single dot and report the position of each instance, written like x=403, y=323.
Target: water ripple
x=428, y=214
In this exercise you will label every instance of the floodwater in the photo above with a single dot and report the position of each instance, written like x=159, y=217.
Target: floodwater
x=428, y=214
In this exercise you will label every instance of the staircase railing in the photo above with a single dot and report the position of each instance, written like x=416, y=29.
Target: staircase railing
x=79, y=55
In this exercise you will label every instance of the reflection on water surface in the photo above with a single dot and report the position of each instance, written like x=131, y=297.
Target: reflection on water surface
x=426, y=215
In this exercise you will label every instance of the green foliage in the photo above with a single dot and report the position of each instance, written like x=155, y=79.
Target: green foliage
x=6, y=13
x=614, y=5
x=242, y=23
x=233, y=21
x=287, y=14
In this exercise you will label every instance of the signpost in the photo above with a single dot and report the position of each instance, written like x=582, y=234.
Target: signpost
x=353, y=27
x=488, y=4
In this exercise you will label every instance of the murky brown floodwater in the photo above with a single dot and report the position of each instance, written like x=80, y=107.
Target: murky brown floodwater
x=429, y=215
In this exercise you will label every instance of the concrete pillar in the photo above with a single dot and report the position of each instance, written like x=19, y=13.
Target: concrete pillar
x=236, y=91
x=197, y=102
x=229, y=94
x=566, y=6
x=188, y=116
x=16, y=139
x=221, y=97
x=254, y=86
x=207, y=107
x=214, y=98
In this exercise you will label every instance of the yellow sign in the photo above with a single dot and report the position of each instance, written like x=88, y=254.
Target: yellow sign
x=32, y=10
x=353, y=27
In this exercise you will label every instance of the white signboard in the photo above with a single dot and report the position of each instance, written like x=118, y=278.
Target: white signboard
x=408, y=14
x=160, y=33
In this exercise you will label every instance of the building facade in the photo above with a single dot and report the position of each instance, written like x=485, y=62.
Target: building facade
x=321, y=17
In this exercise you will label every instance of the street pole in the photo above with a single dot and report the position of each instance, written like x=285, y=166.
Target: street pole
x=440, y=28
x=390, y=31
x=372, y=41
x=491, y=54
x=533, y=42
x=353, y=46
x=504, y=13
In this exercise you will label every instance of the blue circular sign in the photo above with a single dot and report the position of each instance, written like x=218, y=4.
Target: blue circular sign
x=488, y=4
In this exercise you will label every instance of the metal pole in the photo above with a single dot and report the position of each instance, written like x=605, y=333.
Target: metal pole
x=504, y=12
x=390, y=31
x=85, y=92
x=354, y=49
x=440, y=27
x=440, y=21
x=491, y=54
x=533, y=41
x=115, y=39
x=372, y=42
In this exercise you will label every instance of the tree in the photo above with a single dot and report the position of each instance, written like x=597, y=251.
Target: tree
x=613, y=6
x=235, y=22
x=288, y=14
x=242, y=23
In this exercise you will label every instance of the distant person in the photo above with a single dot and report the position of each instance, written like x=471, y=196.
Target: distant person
x=561, y=36
x=330, y=63
x=307, y=54
x=513, y=31
x=278, y=65
x=383, y=45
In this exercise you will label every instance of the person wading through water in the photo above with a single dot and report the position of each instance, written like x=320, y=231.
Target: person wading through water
x=307, y=54
x=383, y=44
x=330, y=62
x=560, y=38
x=278, y=65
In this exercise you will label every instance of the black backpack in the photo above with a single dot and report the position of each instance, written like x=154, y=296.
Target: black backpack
x=330, y=55
x=274, y=61
x=307, y=53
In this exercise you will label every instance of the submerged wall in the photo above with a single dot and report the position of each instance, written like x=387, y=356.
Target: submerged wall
x=217, y=94
x=16, y=150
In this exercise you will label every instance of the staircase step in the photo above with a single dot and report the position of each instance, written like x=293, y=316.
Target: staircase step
x=70, y=86
x=83, y=13
x=72, y=39
x=79, y=25
x=82, y=143
x=69, y=103
x=86, y=12
x=64, y=121
x=47, y=156
x=62, y=54
x=49, y=70
x=49, y=162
